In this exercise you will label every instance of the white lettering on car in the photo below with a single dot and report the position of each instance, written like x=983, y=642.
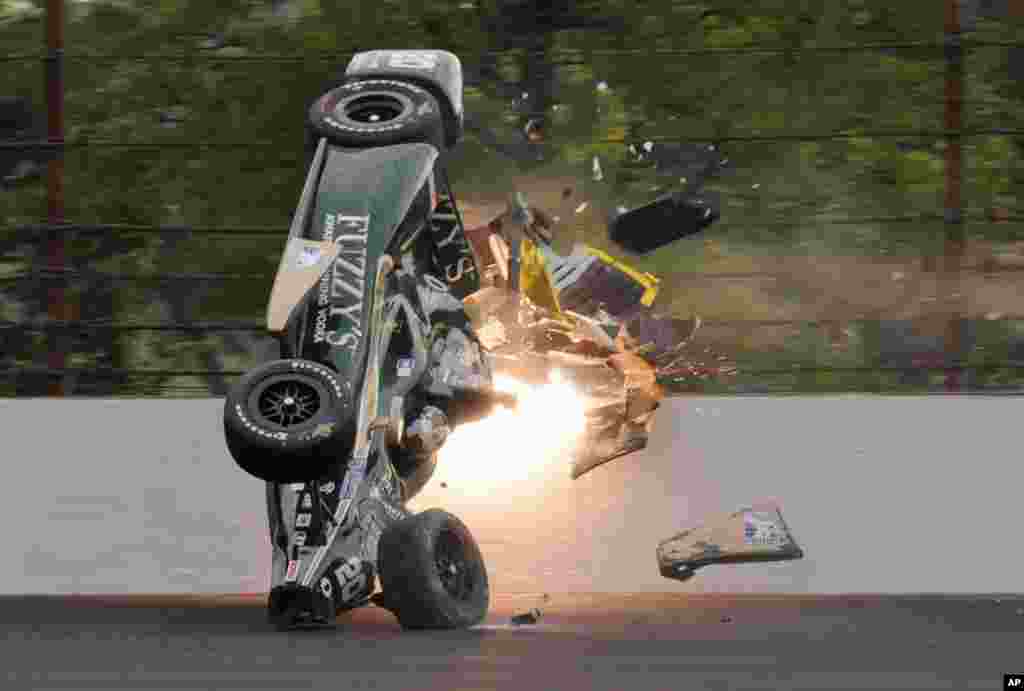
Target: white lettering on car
x=348, y=280
x=454, y=273
x=351, y=579
x=413, y=60
x=324, y=293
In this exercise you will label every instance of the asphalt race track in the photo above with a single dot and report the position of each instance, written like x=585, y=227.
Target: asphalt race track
x=621, y=642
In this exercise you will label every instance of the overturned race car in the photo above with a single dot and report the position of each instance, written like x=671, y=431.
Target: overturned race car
x=378, y=360
x=392, y=325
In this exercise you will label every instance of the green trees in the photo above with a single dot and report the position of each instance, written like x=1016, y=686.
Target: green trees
x=191, y=112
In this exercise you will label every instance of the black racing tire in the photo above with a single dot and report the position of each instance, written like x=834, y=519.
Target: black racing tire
x=414, y=553
x=280, y=441
x=377, y=112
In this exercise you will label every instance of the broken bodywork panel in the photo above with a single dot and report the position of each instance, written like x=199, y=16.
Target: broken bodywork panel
x=570, y=316
x=744, y=536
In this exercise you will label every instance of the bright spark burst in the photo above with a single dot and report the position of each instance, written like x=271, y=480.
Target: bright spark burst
x=513, y=446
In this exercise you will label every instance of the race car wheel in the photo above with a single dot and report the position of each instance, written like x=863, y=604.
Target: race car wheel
x=378, y=112
x=288, y=420
x=432, y=573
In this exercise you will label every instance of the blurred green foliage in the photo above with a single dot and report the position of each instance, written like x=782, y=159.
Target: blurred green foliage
x=211, y=133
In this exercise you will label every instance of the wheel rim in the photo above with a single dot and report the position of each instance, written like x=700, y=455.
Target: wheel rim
x=288, y=402
x=452, y=566
x=372, y=108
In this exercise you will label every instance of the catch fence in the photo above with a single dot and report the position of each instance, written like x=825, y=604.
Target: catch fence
x=52, y=274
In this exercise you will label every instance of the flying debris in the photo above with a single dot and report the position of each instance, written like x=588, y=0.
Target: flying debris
x=526, y=618
x=663, y=221
x=745, y=536
x=587, y=316
x=686, y=211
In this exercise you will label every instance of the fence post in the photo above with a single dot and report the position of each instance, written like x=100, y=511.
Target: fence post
x=56, y=250
x=954, y=243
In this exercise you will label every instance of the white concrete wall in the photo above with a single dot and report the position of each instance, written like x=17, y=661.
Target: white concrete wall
x=884, y=495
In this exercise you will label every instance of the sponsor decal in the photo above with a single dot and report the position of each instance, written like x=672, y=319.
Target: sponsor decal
x=405, y=367
x=300, y=538
x=412, y=60
x=323, y=299
x=454, y=272
x=352, y=580
x=298, y=486
x=292, y=572
x=762, y=531
x=308, y=257
x=338, y=320
x=327, y=488
x=453, y=251
x=307, y=502
x=303, y=520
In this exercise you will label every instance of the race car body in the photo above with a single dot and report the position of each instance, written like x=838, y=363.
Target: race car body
x=745, y=536
x=378, y=359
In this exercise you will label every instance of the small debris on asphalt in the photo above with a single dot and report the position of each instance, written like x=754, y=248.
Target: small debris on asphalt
x=581, y=208
x=602, y=86
x=598, y=174
x=444, y=485
x=755, y=186
x=726, y=619
x=526, y=618
x=566, y=193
